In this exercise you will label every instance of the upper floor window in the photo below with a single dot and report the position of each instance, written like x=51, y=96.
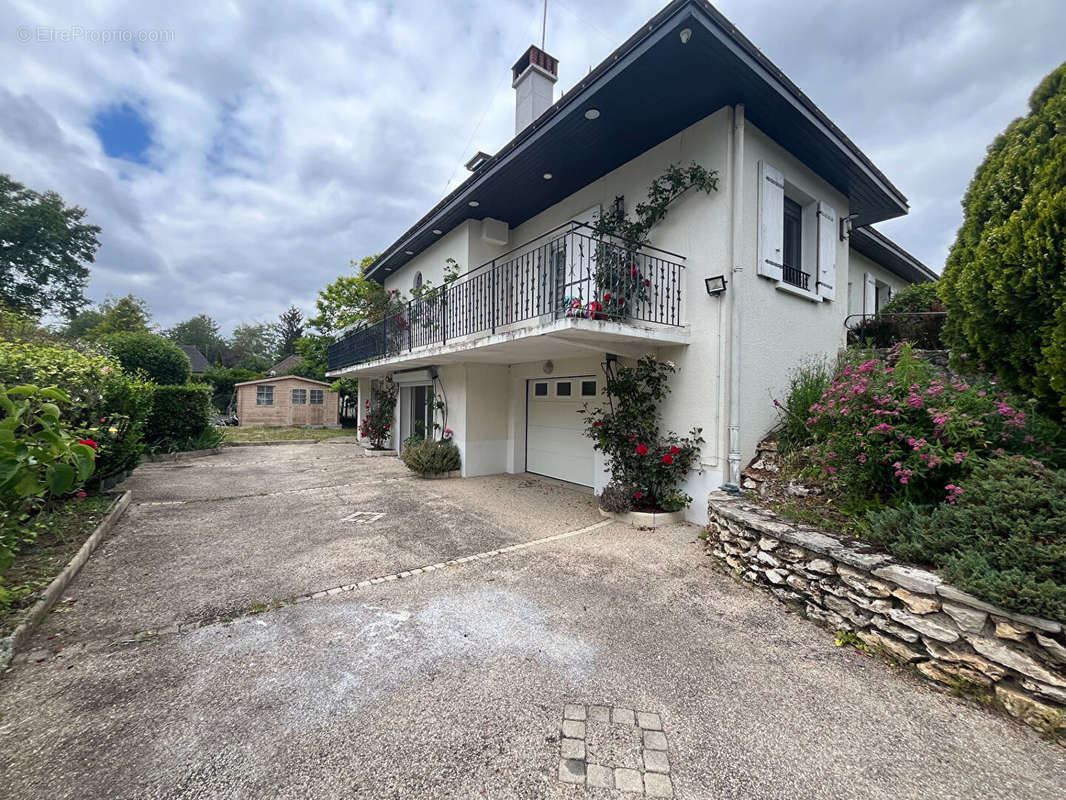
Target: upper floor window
x=418, y=281
x=792, y=252
x=798, y=237
x=264, y=395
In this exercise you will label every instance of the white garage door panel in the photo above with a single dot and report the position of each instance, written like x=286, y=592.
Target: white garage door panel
x=556, y=444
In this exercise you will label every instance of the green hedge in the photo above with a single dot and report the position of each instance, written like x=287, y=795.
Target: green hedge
x=179, y=414
x=159, y=359
x=1003, y=538
x=432, y=458
x=106, y=404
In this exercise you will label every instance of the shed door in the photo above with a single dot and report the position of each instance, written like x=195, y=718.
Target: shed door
x=556, y=445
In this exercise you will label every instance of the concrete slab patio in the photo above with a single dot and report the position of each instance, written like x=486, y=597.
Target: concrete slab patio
x=461, y=681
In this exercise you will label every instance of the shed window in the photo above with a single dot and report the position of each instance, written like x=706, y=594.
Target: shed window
x=317, y=397
x=264, y=395
x=299, y=397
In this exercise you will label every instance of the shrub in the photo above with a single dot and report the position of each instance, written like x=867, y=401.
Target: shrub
x=1004, y=285
x=377, y=424
x=894, y=430
x=806, y=386
x=430, y=457
x=39, y=459
x=162, y=361
x=180, y=416
x=915, y=298
x=105, y=404
x=1001, y=536
x=887, y=330
x=649, y=465
x=616, y=499
x=223, y=379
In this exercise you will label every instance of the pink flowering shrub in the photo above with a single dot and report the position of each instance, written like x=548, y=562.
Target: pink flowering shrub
x=894, y=429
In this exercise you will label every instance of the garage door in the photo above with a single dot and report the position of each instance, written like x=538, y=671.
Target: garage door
x=556, y=445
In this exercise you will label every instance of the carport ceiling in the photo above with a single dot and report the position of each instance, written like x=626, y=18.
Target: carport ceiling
x=648, y=90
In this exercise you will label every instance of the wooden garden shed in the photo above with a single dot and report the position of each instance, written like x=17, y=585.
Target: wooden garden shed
x=286, y=400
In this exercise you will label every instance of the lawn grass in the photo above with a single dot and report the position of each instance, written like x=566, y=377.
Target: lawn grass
x=262, y=433
x=60, y=533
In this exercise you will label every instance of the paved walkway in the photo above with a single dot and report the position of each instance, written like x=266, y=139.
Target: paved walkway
x=198, y=657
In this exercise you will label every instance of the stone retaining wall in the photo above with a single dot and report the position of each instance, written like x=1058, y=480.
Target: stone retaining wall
x=906, y=613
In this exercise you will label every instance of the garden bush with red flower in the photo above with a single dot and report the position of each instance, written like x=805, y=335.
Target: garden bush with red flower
x=896, y=429
x=645, y=464
x=376, y=424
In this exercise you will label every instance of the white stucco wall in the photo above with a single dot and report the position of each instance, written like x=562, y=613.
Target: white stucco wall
x=860, y=265
x=779, y=330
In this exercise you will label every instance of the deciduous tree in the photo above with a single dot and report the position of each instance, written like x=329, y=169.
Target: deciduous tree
x=45, y=248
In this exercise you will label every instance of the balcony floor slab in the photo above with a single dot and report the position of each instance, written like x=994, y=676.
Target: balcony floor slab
x=563, y=338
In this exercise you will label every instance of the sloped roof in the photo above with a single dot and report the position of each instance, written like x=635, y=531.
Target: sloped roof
x=197, y=359
x=649, y=89
x=881, y=250
x=284, y=378
x=286, y=364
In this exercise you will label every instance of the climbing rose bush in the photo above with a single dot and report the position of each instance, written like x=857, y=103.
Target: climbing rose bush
x=894, y=429
x=376, y=424
x=648, y=465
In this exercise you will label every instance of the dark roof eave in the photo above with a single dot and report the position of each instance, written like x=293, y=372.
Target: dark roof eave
x=880, y=249
x=715, y=21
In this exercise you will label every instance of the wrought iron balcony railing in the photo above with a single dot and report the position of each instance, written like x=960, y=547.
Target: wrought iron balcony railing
x=567, y=272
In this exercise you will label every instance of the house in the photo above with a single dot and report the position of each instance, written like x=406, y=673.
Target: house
x=743, y=283
x=197, y=360
x=286, y=400
x=285, y=366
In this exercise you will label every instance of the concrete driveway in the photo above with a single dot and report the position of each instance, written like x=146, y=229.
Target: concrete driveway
x=242, y=633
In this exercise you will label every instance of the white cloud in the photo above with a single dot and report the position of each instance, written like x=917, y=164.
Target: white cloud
x=287, y=142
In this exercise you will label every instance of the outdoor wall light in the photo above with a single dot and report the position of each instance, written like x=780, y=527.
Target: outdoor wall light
x=686, y=34
x=547, y=176
x=715, y=285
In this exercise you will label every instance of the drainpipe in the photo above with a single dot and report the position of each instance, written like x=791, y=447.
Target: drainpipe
x=737, y=247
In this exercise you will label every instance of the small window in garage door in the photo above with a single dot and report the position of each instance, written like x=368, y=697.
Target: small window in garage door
x=556, y=445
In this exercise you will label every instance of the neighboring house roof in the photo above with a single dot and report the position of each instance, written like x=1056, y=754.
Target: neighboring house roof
x=646, y=91
x=283, y=378
x=286, y=364
x=879, y=248
x=199, y=362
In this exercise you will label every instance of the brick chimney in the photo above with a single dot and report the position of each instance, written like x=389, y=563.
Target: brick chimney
x=534, y=76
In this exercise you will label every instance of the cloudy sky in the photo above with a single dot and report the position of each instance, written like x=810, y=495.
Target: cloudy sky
x=242, y=154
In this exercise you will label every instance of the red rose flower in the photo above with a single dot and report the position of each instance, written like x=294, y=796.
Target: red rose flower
x=88, y=443
x=668, y=459
x=638, y=495
x=606, y=297
x=642, y=449
x=675, y=450
x=647, y=281
x=598, y=423
x=634, y=272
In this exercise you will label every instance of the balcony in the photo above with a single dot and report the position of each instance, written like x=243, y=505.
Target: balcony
x=566, y=280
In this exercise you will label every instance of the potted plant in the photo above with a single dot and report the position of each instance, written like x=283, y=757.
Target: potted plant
x=376, y=425
x=433, y=458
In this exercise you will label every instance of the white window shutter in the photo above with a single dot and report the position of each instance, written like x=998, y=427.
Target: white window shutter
x=771, y=221
x=869, y=298
x=827, y=251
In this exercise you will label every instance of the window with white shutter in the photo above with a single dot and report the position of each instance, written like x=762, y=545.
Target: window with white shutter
x=771, y=216
x=869, y=297
x=827, y=251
